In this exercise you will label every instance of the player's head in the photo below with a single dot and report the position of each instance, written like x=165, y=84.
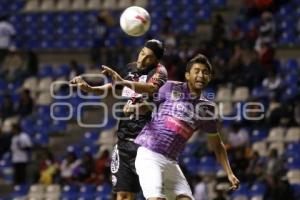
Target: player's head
x=198, y=72
x=150, y=54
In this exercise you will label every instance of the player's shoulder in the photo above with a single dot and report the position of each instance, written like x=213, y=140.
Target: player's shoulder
x=161, y=68
x=175, y=84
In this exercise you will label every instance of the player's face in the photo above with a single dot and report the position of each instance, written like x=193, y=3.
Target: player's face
x=146, y=58
x=198, y=76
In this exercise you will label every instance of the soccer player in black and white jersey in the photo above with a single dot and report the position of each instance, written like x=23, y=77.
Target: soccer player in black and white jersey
x=146, y=76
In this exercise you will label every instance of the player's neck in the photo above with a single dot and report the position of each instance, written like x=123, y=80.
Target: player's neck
x=194, y=91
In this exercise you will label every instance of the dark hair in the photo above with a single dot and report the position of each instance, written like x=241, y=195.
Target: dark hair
x=199, y=58
x=17, y=127
x=157, y=47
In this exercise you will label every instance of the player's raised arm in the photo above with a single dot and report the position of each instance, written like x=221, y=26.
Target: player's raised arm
x=84, y=86
x=138, y=87
x=148, y=59
x=218, y=147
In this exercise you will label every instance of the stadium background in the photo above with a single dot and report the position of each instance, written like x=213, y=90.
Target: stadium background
x=255, y=55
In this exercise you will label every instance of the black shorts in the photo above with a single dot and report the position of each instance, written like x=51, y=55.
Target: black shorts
x=124, y=176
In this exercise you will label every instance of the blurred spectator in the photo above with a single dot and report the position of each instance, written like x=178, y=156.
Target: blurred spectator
x=32, y=63
x=68, y=167
x=220, y=58
x=75, y=69
x=266, y=56
x=281, y=115
x=5, y=140
x=48, y=168
x=102, y=170
x=239, y=164
x=274, y=164
x=86, y=167
x=267, y=31
x=272, y=84
x=219, y=28
x=253, y=163
x=25, y=105
x=235, y=65
x=238, y=137
x=297, y=112
x=20, y=149
x=7, y=33
x=13, y=67
x=220, y=192
x=101, y=33
x=6, y=108
x=200, y=190
x=277, y=189
x=167, y=34
x=253, y=73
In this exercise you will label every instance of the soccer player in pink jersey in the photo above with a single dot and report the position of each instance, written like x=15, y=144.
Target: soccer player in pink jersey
x=181, y=111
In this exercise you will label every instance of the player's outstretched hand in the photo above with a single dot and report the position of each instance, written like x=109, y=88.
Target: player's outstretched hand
x=110, y=72
x=77, y=81
x=233, y=181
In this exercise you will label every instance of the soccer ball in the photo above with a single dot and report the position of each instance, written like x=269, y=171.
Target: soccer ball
x=135, y=21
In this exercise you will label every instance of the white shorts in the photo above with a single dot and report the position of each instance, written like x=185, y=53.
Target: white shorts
x=160, y=176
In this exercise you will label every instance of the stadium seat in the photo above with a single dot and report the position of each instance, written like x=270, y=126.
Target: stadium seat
x=141, y=3
x=257, y=190
x=293, y=176
x=58, y=126
x=291, y=80
x=276, y=134
x=27, y=125
x=53, y=189
x=290, y=93
x=292, y=150
x=207, y=165
x=32, y=5
x=219, y=3
x=225, y=108
x=292, y=135
x=296, y=190
x=241, y=193
x=70, y=192
x=291, y=65
x=63, y=5
x=103, y=190
x=260, y=147
x=47, y=5
x=287, y=38
x=258, y=135
x=79, y=5
x=223, y=94
x=30, y=83
x=110, y=4
x=90, y=137
x=36, y=191
x=258, y=92
x=45, y=71
x=94, y=5
x=44, y=99
x=240, y=94
x=124, y=4
x=203, y=14
x=293, y=163
x=21, y=190
x=279, y=146
x=43, y=85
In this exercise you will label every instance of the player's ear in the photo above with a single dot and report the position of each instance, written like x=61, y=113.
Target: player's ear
x=187, y=76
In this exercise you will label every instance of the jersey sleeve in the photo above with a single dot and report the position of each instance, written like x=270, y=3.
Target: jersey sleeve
x=162, y=93
x=159, y=77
